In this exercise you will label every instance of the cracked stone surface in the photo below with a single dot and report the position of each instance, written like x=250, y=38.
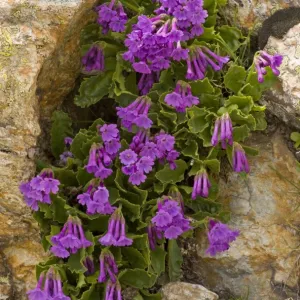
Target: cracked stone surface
x=39, y=62
x=264, y=261
x=182, y=290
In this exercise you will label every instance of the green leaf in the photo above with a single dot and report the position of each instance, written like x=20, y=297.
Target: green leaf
x=90, y=294
x=200, y=87
x=240, y=118
x=148, y=296
x=75, y=262
x=250, y=151
x=166, y=175
x=61, y=128
x=260, y=117
x=93, y=89
x=66, y=177
x=244, y=103
x=83, y=177
x=78, y=142
x=175, y=260
x=191, y=150
x=231, y=36
x=197, y=122
x=134, y=257
x=213, y=165
x=58, y=208
x=130, y=209
x=137, y=278
x=158, y=257
x=235, y=77
x=240, y=133
x=295, y=137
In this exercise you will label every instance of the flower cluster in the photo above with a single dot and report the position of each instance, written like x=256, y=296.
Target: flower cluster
x=182, y=97
x=65, y=155
x=96, y=200
x=88, y=262
x=152, y=44
x=49, y=286
x=136, y=113
x=102, y=156
x=198, y=61
x=70, y=239
x=93, y=60
x=189, y=13
x=111, y=16
x=153, y=235
x=116, y=233
x=113, y=291
x=201, y=185
x=263, y=60
x=239, y=160
x=219, y=237
x=169, y=219
x=146, y=82
x=223, y=131
x=108, y=267
x=139, y=159
x=39, y=188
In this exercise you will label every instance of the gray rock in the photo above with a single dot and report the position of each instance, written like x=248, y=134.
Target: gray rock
x=40, y=60
x=263, y=262
x=183, y=290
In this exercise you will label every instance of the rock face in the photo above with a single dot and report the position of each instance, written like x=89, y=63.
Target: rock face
x=182, y=290
x=251, y=13
x=39, y=59
x=264, y=261
x=285, y=101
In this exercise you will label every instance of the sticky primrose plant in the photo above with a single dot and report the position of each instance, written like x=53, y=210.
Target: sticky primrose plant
x=185, y=99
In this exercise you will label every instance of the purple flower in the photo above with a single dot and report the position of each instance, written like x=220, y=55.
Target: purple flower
x=165, y=142
x=137, y=178
x=128, y=157
x=220, y=236
x=109, y=132
x=150, y=150
x=37, y=293
x=89, y=264
x=145, y=164
x=169, y=220
x=93, y=60
x=108, y=239
x=223, y=127
x=60, y=251
x=182, y=97
x=92, y=166
x=39, y=188
x=263, y=60
x=123, y=240
x=239, y=160
x=111, y=16
x=141, y=67
x=65, y=155
x=68, y=141
x=201, y=185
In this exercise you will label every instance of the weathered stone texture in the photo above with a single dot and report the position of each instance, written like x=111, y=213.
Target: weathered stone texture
x=39, y=62
x=183, y=290
x=264, y=260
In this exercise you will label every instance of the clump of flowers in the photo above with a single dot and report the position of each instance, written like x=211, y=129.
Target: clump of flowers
x=66, y=154
x=199, y=60
x=169, y=219
x=189, y=15
x=220, y=236
x=39, y=189
x=223, y=131
x=96, y=200
x=93, y=60
x=201, y=185
x=49, y=286
x=239, y=160
x=263, y=60
x=136, y=113
x=116, y=233
x=111, y=16
x=108, y=267
x=70, y=239
x=182, y=97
